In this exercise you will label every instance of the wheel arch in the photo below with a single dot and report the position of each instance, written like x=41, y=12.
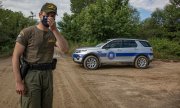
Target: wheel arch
x=141, y=55
x=91, y=54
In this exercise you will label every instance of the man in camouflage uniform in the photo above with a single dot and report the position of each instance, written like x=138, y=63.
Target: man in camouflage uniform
x=36, y=45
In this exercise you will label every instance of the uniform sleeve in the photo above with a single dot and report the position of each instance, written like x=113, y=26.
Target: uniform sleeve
x=23, y=38
x=53, y=37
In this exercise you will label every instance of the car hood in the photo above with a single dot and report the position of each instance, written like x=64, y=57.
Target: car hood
x=87, y=48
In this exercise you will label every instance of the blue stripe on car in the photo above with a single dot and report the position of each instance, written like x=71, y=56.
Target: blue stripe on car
x=132, y=54
x=117, y=54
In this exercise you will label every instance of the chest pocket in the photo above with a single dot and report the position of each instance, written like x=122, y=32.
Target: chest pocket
x=41, y=39
x=51, y=42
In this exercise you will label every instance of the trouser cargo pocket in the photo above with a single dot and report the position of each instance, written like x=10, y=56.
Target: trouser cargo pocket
x=25, y=102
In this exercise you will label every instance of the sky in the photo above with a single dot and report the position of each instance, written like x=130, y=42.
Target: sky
x=145, y=7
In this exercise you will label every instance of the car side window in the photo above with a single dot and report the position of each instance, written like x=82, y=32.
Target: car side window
x=113, y=44
x=129, y=44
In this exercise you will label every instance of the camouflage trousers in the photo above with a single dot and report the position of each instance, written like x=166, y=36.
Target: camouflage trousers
x=39, y=89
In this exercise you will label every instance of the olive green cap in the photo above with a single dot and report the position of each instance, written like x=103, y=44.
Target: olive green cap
x=49, y=7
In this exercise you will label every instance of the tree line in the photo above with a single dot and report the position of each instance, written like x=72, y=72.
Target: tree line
x=10, y=25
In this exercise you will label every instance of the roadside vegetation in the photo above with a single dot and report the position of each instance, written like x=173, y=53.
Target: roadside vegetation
x=94, y=21
x=10, y=25
x=165, y=49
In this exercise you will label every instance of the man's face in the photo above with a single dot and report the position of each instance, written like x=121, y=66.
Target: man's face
x=50, y=14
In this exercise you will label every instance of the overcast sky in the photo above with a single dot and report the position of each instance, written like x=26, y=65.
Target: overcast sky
x=145, y=7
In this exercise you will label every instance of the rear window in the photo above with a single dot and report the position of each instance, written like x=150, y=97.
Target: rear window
x=145, y=43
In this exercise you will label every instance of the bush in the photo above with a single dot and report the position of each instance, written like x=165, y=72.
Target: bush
x=165, y=49
x=10, y=25
x=74, y=45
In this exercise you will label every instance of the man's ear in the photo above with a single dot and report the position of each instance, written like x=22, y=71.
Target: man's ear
x=40, y=14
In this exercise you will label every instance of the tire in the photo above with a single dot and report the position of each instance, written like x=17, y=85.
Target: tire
x=91, y=62
x=141, y=62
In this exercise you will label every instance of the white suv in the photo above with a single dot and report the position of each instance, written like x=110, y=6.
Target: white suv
x=134, y=51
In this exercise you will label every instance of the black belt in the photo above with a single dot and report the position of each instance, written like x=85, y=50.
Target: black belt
x=43, y=66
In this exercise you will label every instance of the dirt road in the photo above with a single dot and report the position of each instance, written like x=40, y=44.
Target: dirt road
x=107, y=87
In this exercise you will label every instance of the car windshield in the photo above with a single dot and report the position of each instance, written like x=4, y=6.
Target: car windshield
x=99, y=45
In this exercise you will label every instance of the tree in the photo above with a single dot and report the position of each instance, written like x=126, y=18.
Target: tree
x=175, y=2
x=100, y=21
x=10, y=25
x=1, y=4
x=164, y=23
x=172, y=25
x=78, y=5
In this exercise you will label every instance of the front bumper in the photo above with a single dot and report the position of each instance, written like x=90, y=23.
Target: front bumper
x=78, y=58
x=151, y=57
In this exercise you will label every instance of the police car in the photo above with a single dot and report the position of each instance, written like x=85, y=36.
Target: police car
x=134, y=51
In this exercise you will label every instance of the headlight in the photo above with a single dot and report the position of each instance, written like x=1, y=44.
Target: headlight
x=80, y=51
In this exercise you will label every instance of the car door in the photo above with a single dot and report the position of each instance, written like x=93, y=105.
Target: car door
x=128, y=51
x=109, y=51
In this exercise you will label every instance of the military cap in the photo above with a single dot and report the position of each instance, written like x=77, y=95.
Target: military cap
x=49, y=7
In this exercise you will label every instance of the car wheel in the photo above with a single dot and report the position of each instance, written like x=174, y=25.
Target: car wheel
x=141, y=62
x=91, y=62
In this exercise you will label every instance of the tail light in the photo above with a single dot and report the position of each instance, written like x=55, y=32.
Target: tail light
x=151, y=49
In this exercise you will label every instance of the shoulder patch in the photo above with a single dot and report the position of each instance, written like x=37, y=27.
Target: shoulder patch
x=19, y=35
x=52, y=40
x=22, y=33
